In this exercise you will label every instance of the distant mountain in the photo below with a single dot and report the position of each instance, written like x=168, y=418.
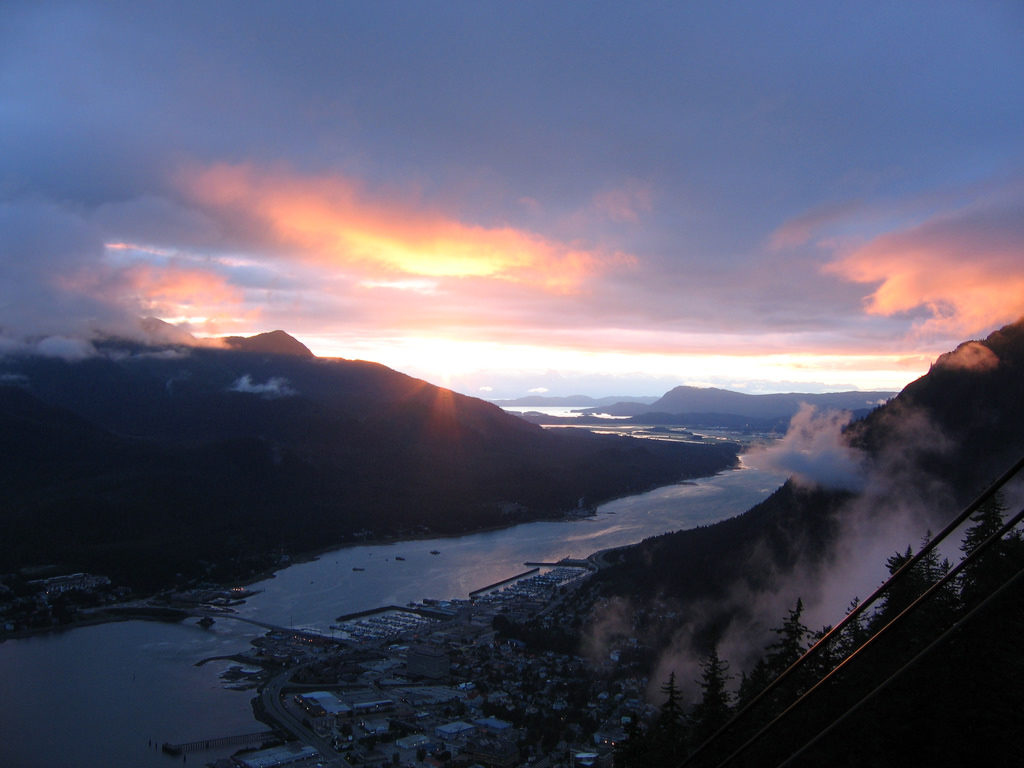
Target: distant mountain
x=143, y=462
x=583, y=401
x=711, y=400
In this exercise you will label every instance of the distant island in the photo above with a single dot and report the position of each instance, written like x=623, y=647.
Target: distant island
x=570, y=401
x=705, y=407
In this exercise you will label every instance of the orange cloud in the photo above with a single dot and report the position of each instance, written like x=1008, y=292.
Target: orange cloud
x=171, y=292
x=330, y=220
x=173, y=287
x=966, y=271
x=971, y=356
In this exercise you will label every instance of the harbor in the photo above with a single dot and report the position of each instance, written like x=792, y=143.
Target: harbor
x=143, y=678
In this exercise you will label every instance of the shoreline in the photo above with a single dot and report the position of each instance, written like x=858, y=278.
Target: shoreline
x=565, y=517
x=121, y=612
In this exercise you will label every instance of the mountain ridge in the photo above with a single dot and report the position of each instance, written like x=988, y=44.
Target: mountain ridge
x=207, y=461
x=685, y=399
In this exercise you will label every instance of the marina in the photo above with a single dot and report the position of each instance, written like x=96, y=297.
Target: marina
x=503, y=582
x=143, y=678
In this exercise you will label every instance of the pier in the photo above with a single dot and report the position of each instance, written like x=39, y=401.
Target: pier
x=509, y=580
x=224, y=741
x=566, y=562
x=426, y=613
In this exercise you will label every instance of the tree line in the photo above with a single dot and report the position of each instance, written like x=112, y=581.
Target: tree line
x=960, y=696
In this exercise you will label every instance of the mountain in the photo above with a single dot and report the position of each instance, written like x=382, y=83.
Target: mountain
x=711, y=400
x=143, y=462
x=923, y=456
x=272, y=343
x=944, y=437
x=583, y=401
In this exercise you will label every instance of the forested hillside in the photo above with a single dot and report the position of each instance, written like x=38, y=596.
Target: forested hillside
x=922, y=458
x=142, y=463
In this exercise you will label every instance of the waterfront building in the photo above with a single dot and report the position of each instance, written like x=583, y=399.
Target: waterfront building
x=274, y=757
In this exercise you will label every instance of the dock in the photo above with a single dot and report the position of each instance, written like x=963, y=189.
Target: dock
x=426, y=613
x=509, y=580
x=223, y=741
x=566, y=562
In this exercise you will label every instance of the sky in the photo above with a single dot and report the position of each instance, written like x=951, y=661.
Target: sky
x=530, y=197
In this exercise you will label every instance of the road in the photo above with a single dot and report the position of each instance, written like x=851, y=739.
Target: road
x=275, y=708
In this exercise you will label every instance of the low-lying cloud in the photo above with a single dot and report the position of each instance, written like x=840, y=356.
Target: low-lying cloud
x=274, y=387
x=815, y=451
x=896, y=504
x=971, y=356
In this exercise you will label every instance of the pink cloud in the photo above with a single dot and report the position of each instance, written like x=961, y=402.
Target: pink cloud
x=964, y=271
x=626, y=203
x=970, y=355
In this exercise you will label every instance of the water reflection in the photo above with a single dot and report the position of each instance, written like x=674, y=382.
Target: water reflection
x=98, y=696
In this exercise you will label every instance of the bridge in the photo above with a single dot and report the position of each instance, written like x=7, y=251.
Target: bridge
x=224, y=741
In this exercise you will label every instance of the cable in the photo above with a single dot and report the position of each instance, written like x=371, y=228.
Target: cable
x=971, y=508
x=921, y=654
x=921, y=599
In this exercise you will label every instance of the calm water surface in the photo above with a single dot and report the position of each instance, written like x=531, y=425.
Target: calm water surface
x=97, y=696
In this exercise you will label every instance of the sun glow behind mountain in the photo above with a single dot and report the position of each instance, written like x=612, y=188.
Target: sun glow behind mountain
x=584, y=202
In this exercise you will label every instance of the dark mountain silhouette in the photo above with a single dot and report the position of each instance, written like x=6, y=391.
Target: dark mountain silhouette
x=582, y=401
x=711, y=400
x=144, y=462
x=272, y=343
x=957, y=427
x=938, y=444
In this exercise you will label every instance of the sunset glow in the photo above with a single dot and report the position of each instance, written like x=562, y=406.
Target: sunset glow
x=326, y=221
x=716, y=199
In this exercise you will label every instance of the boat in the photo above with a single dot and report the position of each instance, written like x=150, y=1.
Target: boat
x=357, y=568
x=435, y=552
x=399, y=557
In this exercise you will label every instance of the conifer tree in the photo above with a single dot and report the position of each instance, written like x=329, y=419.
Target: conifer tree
x=668, y=737
x=790, y=643
x=714, y=708
x=994, y=565
x=854, y=634
x=941, y=607
x=779, y=656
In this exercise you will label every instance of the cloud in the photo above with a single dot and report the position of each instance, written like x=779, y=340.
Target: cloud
x=65, y=348
x=333, y=221
x=272, y=388
x=494, y=187
x=802, y=229
x=961, y=272
x=610, y=622
x=814, y=451
x=971, y=356
x=897, y=502
x=626, y=203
